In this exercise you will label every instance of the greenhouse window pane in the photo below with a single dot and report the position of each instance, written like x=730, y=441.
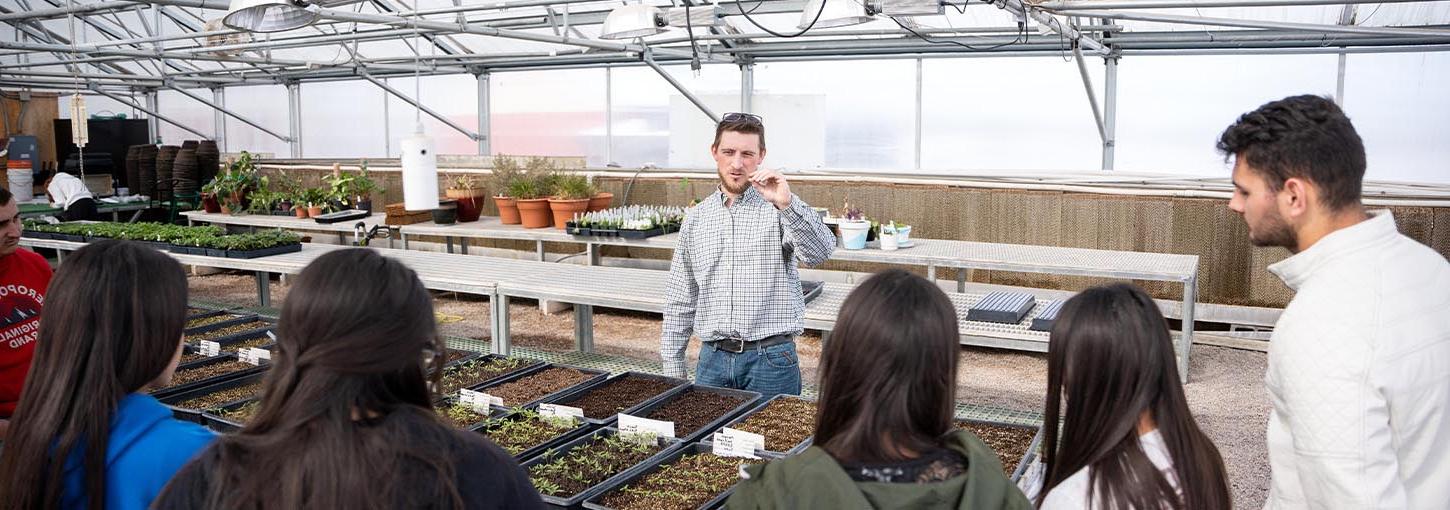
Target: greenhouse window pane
x=654, y=123
x=1404, y=121
x=842, y=114
x=343, y=119
x=549, y=113
x=265, y=105
x=187, y=111
x=453, y=96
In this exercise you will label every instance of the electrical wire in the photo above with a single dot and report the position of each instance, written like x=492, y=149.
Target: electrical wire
x=690, y=31
x=1021, y=38
x=752, y=21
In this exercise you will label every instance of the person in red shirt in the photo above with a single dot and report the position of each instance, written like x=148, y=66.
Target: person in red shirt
x=23, y=279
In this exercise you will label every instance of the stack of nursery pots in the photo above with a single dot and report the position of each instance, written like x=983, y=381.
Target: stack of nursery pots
x=208, y=159
x=470, y=197
x=165, y=158
x=184, y=171
x=146, y=170
x=133, y=168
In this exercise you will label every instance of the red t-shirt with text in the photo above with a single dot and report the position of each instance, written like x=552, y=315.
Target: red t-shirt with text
x=23, y=279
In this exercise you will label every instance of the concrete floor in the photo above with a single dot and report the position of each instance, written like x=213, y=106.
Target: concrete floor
x=1227, y=393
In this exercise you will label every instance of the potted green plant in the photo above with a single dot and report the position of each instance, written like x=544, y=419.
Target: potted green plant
x=854, y=229
x=316, y=200
x=571, y=195
x=209, y=202
x=530, y=193
x=363, y=188
x=505, y=171
x=466, y=191
x=888, y=236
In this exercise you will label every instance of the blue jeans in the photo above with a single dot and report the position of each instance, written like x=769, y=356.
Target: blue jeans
x=769, y=371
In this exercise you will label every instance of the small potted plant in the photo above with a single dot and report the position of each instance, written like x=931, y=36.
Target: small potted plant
x=363, y=188
x=505, y=172
x=316, y=201
x=888, y=236
x=571, y=196
x=209, y=202
x=529, y=193
x=854, y=229
x=469, y=195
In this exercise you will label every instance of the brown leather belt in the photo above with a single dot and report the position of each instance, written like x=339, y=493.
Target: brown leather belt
x=738, y=346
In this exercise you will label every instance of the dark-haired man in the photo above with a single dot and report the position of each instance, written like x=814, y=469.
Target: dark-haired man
x=733, y=279
x=1359, y=362
x=23, y=279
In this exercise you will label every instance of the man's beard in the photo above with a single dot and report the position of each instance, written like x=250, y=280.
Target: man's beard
x=725, y=184
x=1274, y=231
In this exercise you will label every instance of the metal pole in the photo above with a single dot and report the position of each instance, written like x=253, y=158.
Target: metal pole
x=1087, y=85
x=917, y=150
x=747, y=87
x=1246, y=23
x=1110, y=115
x=219, y=121
x=1053, y=5
x=153, y=130
x=222, y=110
x=650, y=61
x=294, y=115
x=608, y=113
x=425, y=109
x=387, y=128
x=150, y=111
x=483, y=112
x=1339, y=83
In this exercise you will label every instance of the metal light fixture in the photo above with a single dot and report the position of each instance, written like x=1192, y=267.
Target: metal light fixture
x=631, y=21
x=837, y=13
x=268, y=15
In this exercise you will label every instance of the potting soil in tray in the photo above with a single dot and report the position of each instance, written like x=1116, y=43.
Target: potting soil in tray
x=1010, y=443
x=241, y=414
x=192, y=375
x=525, y=430
x=693, y=409
x=230, y=330
x=533, y=387
x=469, y=374
x=206, y=321
x=219, y=398
x=606, y=400
x=191, y=357
x=598, y=459
x=785, y=423
x=685, y=484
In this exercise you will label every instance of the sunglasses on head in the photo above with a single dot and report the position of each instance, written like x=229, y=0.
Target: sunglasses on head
x=742, y=117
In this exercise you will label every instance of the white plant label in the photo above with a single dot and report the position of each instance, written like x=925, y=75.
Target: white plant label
x=255, y=355
x=556, y=410
x=635, y=425
x=730, y=442
x=478, y=401
x=210, y=348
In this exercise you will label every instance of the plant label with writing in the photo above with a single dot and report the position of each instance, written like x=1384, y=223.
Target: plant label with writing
x=255, y=355
x=560, y=414
x=478, y=401
x=210, y=348
x=634, y=425
x=730, y=442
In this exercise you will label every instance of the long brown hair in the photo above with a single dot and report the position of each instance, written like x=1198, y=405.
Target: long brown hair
x=112, y=323
x=1110, y=358
x=347, y=405
x=888, y=372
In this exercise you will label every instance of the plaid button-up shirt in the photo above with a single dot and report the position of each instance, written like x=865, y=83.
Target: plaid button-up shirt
x=734, y=274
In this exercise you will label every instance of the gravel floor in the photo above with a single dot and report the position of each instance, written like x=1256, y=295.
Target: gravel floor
x=1227, y=393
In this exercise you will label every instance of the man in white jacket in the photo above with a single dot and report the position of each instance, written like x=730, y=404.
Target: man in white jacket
x=1359, y=362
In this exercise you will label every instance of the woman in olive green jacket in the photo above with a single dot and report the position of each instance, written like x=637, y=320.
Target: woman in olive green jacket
x=885, y=437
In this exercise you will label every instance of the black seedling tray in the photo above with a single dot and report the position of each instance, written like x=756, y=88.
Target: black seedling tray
x=576, y=500
x=195, y=415
x=1044, y=319
x=765, y=454
x=214, y=421
x=1002, y=307
x=811, y=289
x=264, y=252
x=751, y=399
x=643, y=470
x=340, y=216
x=580, y=391
x=1027, y=458
x=240, y=319
x=493, y=413
x=597, y=377
x=569, y=435
x=160, y=394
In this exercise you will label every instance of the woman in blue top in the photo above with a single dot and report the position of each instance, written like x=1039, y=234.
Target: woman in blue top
x=112, y=328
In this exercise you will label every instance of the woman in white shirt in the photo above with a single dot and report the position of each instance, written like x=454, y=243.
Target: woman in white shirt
x=70, y=193
x=1128, y=440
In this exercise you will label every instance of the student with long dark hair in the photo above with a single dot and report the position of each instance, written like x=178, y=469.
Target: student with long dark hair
x=346, y=417
x=85, y=434
x=885, y=436
x=1128, y=440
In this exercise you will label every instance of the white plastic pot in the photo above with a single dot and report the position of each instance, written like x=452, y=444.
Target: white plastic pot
x=888, y=241
x=853, y=234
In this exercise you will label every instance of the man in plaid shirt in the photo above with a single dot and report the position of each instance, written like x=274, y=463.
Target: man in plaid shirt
x=733, y=279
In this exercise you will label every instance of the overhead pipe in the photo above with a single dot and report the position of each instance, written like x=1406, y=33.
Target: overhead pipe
x=1246, y=23
x=417, y=103
x=1054, y=5
x=650, y=61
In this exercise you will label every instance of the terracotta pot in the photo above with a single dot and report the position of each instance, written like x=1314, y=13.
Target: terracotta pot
x=534, y=213
x=226, y=209
x=314, y=211
x=508, y=211
x=301, y=212
x=210, y=204
x=601, y=201
x=457, y=194
x=564, y=210
x=469, y=208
